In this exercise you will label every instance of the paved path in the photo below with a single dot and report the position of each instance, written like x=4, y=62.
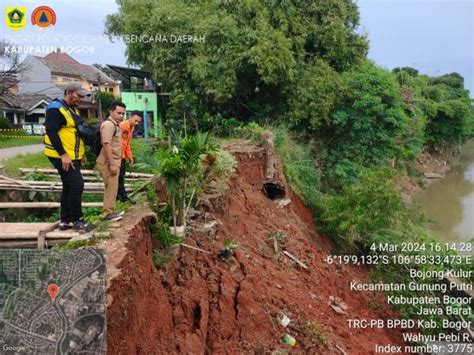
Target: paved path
x=7, y=153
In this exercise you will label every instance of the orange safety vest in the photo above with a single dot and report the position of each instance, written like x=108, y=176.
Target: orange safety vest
x=127, y=134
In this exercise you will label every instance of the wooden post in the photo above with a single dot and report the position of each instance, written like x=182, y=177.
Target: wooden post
x=267, y=137
x=273, y=185
x=42, y=235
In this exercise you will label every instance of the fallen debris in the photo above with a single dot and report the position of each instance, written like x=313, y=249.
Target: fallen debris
x=338, y=305
x=289, y=340
x=276, y=237
x=209, y=226
x=284, y=320
x=81, y=237
x=283, y=202
x=195, y=248
x=433, y=176
x=295, y=259
x=341, y=350
x=275, y=245
x=224, y=254
x=199, y=304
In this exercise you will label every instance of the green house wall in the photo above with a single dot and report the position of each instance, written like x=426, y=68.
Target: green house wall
x=136, y=101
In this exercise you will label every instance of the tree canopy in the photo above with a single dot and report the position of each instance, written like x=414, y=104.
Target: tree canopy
x=255, y=53
x=298, y=62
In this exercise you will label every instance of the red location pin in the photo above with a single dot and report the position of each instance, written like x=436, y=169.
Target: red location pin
x=53, y=290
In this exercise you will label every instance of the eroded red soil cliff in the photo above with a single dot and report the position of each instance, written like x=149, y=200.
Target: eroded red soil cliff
x=202, y=304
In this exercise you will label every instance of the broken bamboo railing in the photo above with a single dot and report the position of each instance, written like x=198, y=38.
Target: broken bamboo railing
x=44, y=205
x=33, y=235
x=128, y=175
x=49, y=186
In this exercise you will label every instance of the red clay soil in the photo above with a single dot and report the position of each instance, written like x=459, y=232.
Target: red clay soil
x=200, y=304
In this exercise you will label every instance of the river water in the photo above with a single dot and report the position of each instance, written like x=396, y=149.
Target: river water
x=449, y=202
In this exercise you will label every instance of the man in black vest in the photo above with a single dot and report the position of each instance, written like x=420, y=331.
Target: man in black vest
x=65, y=149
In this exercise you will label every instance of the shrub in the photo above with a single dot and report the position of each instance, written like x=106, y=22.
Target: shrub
x=224, y=164
x=4, y=123
x=181, y=169
x=363, y=208
x=299, y=167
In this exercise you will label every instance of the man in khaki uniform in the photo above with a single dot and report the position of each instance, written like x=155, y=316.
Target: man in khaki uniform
x=110, y=159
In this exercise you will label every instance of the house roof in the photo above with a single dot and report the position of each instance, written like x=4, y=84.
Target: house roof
x=24, y=102
x=62, y=63
x=61, y=57
x=29, y=102
x=128, y=72
x=8, y=100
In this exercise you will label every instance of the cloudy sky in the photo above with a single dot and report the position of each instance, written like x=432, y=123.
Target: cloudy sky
x=434, y=36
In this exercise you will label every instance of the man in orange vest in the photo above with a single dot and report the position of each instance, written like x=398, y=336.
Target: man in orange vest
x=127, y=127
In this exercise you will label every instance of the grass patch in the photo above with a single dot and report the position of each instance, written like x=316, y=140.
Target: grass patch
x=80, y=243
x=35, y=160
x=316, y=333
x=160, y=259
x=224, y=165
x=37, y=216
x=229, y=244
x=299, y=167
x=144, y=155
x=18, y=142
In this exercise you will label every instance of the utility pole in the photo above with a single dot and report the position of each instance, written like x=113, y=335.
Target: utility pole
x=145, y=119
x=99, y=98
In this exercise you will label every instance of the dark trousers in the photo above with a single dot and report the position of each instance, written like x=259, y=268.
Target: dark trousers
x=71, y=195
x=122, y=194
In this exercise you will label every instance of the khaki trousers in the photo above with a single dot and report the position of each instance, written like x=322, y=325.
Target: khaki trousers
x=111, y=187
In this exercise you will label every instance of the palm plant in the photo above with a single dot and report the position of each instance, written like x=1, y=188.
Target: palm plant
x=180, y=166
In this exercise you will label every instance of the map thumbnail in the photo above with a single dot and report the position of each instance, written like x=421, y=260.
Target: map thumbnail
x=52, y=302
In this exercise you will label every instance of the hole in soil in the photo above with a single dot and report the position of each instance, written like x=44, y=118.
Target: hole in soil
x=197, y=316
x=273, y=190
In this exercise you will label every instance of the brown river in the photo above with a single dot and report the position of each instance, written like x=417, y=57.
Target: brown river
x=449, y=202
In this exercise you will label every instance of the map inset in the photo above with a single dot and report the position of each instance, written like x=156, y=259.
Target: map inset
x=52, y=302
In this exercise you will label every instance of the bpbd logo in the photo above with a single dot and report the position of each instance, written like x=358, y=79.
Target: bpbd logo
x=15, y=17
x=43, y=17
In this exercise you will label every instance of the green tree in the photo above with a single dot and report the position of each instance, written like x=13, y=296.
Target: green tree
x=314, y=98
x=106, y=98
x=442, y=102
x=450, y=117
x=255, y=53
x=369, y=126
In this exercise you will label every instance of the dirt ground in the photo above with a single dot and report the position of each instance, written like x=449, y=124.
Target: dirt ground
x=204, y=304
